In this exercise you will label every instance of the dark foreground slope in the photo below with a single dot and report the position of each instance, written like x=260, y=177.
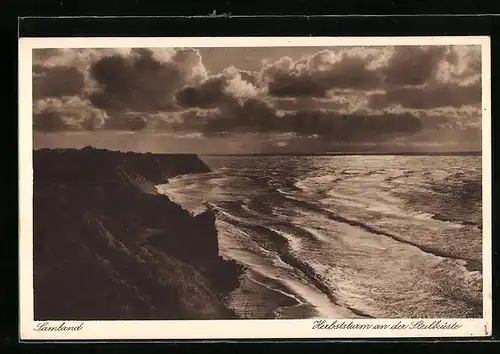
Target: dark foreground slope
x=108, y=246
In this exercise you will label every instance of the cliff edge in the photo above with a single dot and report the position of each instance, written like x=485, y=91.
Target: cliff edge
x=108, y=246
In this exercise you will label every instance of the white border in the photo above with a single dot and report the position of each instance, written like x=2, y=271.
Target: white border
x=230, y=329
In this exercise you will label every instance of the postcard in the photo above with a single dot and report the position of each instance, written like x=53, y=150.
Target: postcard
x=254, y=188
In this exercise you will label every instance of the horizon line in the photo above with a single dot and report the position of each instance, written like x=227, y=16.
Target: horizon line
x=436, y=153
x=340, y=153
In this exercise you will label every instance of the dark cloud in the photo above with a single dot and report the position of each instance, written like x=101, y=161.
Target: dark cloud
x=394, y=69
x=352, y=127
x=249, y=76
x=413, y=65
x=429, y=97
x=142, y=84
x=319, y=73
x=429, y=77
x=433, y=122
x=124, y=121
x=295, y=86
x=219, y=90
x=251, y=115
x=56, y=82
x=471, y=55
x=293, y=104
x=143, y=81
x=257, y=116
x=254, y=115
x=69, y=113
x=42, y=54
x=208, y=94
x=49, y=122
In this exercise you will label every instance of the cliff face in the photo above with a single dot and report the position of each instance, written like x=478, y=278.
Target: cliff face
x=108, y=246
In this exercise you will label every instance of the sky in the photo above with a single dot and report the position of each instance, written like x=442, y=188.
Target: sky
x=259, y=99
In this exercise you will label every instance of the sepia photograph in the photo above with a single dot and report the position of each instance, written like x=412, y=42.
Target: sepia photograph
x=338, y=182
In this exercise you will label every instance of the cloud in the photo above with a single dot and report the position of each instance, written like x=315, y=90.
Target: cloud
x=210, y=93
x=66, y=113
x=451, y=125
x=352, y=127
x=465, y=117
x=429, y=97
x=258, y=116
x=253, y=115
x=293, y=104
x=343, y=94
x=56, y=82
x=220, y=89
x=49, y=121
x=79, y=58
x=228, y=103
x=123, y=86
x=461, y=66
x=430, y=77
x=415, y=76
x=241, y=83
x=325, y=70
x=144, y=81
x=413, y=65
x=126, y=121
x=71, y=60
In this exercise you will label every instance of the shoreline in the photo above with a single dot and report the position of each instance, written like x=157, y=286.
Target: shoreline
x=255, y=300
x=251, y=299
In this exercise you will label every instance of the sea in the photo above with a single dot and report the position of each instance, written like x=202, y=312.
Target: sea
x=346, y=236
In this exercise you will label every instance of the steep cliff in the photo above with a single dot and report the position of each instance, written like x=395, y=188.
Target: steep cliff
x=108, y=246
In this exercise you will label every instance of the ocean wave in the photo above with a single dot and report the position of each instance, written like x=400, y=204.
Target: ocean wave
x=284, y=268
x=348, y=240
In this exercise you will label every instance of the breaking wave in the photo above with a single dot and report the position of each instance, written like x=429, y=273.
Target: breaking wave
x=350, y=236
